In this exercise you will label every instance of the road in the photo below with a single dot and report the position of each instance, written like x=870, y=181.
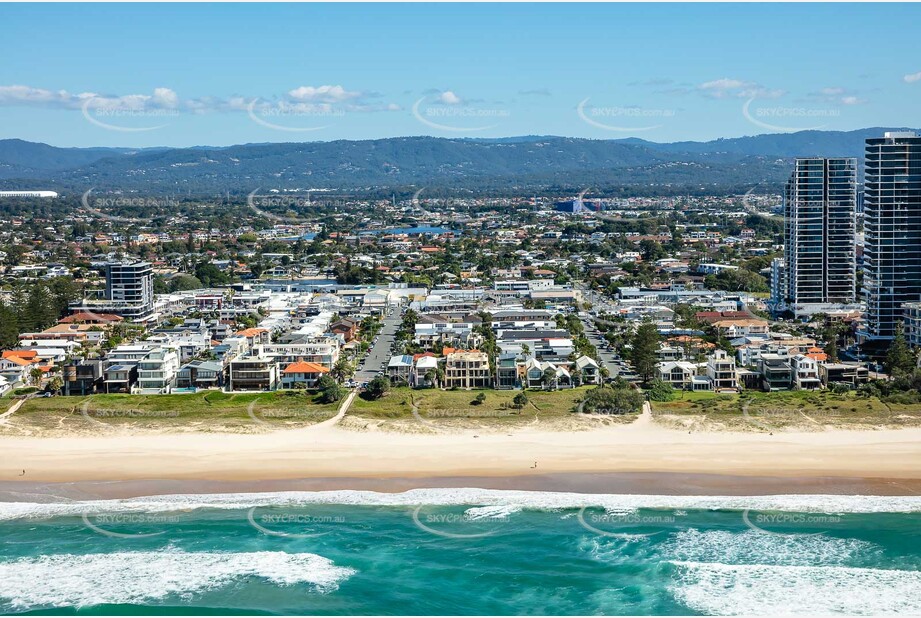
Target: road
x=605, y=356
x=379, y=354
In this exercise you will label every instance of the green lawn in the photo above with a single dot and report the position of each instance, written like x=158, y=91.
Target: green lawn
x=201, y=409
x=789, y=409
x=437, y=404
x=397, y=403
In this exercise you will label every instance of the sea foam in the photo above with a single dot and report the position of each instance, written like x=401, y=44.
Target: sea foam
x=62, y=580
x=724, y=589
x=534, y=500
x=754, y=547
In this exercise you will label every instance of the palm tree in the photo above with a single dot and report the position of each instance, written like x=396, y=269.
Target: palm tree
x=604, y=372
x=342, y=370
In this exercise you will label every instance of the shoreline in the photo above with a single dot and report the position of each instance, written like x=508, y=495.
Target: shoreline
x=637, y=458
x=651, y=483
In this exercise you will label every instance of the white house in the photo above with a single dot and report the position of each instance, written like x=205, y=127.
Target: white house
x=679, y=374
x=805, y=372
x=721, y=371
x=157, y=371
x=424, y=364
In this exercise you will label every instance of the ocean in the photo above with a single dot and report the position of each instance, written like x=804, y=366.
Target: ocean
x=461, y=551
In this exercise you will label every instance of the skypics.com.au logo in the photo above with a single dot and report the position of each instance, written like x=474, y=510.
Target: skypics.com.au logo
x=778, y=118
x=130, y=525
x=448, y=112
x=293, y=117
x=130, y=114
x=629, y=524
x=293, y=523
x=620, y=119
x=101, y=206
x=463, y=522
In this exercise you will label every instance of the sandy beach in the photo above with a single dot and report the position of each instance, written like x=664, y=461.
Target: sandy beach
x=327, y=451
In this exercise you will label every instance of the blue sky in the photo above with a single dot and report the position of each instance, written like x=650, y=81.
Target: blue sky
x=182, y=75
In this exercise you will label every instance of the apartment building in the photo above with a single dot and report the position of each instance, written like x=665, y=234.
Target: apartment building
x=892, y=230
x=128, y=292
x=820, y=227
x=467, y=369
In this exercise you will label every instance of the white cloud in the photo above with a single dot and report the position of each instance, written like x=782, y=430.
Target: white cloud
x=325, y=94
x=912, y=77
x=302, y=99
x=837, y=95
x=720, y=85
x=727, y=87
x=449, y=98
x=852, y=100
x=28, y=96
x=166, y=97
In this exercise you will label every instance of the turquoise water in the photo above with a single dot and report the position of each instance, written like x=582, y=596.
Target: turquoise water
x=435, y=552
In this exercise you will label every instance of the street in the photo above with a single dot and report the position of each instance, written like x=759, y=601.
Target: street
x=605, y=356
x=379, y=354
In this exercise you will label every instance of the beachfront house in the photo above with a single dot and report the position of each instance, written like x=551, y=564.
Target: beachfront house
x=302, y=373
x=679, y=374
x=805, y=372
x=252, y=373
x=721, y=372
x=588, y=370
x=467, y=369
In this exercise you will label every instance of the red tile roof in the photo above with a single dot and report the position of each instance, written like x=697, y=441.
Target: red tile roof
x=305, y=367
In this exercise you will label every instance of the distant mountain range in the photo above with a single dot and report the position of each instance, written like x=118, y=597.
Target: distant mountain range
x=508, y=165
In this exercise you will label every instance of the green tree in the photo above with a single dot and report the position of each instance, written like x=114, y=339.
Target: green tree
x=9, y=328
x=548, y=378
x=643, y=353
x=900, y=360
x=329, y=389
x=659, y=390
x=378, y=387
x=740, y=280
x=39, y=312
x=56, y=384
x=612, y=401
x=831, y=349
x=520, y=400
x=343, y=369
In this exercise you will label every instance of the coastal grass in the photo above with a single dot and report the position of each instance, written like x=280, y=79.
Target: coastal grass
x=809, y=410
x=435, y=404
x=202, y=411
x=396, y=404
x=554, y=408
x=462, y=409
